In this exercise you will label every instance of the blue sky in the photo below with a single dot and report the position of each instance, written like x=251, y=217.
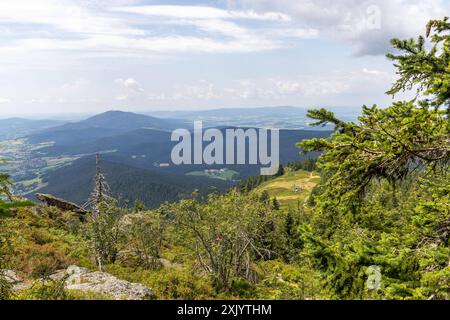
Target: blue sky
x=64, y=56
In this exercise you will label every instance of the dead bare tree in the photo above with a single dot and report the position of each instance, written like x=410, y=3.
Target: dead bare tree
x=100, y=193
x=105, y=219
x=101, y=189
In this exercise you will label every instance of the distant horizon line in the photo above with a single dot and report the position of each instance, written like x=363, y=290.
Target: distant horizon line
x=66, y=115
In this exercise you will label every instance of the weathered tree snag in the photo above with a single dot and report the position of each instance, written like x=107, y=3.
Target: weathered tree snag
x=101, y=189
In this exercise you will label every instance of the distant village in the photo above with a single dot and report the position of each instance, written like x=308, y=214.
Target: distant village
x=161, y=165
x=215, y=172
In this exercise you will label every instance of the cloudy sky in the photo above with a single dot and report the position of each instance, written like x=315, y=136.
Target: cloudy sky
x=61, y=56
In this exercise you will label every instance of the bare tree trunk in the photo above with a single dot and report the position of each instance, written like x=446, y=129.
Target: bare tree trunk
x=99, y=262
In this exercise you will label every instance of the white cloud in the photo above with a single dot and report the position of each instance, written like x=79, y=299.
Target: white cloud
x=203, y=90
x=45, y=41
x=299, y=33
x=131, y=89
x=250, y=89
x=122, y=27
x=280, y=88
x=34, y=101
x=374, y=72
x=84, y=27
x=77, y=84
x=4, y=100
x=64, y=15
x=217, y=26
x=333, y=84
x=200, y=90
x=366, y=24
x=202, y=12
x=126, y=45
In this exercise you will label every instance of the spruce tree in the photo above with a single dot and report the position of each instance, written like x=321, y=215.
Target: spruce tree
x=384, y=198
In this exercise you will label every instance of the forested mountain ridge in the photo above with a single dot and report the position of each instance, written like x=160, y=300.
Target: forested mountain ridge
x=37, y=162
x=142, y=150
x=126, y=183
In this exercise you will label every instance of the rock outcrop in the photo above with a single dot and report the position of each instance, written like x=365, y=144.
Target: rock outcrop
x=61, y=204
x=14, y=280
x=10, y=276
x=82, y=279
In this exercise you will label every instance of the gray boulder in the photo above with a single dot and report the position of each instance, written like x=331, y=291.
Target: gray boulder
x=11, y=276
x=14, y=280
x=82, y=279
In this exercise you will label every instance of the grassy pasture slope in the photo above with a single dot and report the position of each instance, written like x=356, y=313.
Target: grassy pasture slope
x=291, y=188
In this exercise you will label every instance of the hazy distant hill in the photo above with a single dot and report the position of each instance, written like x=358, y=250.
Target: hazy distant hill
x=226, y=112
x=240, y=111
x=17, y=127
x=103, y=125
x=275, y=117
x=126, y=121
